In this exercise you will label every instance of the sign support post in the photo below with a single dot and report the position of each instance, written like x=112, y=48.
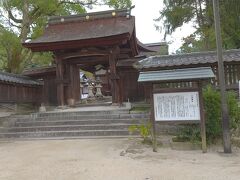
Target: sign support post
x=153, y=122
x=202, y=116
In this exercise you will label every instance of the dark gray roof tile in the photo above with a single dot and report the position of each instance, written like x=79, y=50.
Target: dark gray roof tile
x=187, y=59
x=18, y=79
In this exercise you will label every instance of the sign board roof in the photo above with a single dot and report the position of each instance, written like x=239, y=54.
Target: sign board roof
x=176, y=74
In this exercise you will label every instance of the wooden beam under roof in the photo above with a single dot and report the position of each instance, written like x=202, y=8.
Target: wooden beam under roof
x=86, y=52
x=87, y=60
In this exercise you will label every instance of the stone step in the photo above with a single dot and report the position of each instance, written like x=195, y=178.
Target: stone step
x=69, y=128
x=71, y=137
x=77, y=113
x=84, y=117
x=106, y=123
x=73, y=117
x=81, y=133
x=78, y=122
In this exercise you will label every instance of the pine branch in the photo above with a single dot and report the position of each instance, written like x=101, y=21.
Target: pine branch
x=11, y=16
x=80, y=3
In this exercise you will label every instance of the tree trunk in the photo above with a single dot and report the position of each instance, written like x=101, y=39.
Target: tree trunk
x=25, y=21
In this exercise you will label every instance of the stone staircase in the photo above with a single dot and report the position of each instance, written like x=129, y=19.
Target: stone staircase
x=73, y=124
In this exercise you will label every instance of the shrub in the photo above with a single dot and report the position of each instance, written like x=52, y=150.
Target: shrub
x=234, y=110
x=212, y=106
x=144, y=130
x=189, y=133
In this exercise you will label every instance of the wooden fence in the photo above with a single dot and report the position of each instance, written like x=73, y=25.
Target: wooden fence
x=232, y=76
x=18, y=93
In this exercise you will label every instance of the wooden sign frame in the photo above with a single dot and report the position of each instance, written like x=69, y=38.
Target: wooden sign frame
x=172, y=90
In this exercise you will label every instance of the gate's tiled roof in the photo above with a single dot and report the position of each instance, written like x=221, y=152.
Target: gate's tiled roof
x=87, y=26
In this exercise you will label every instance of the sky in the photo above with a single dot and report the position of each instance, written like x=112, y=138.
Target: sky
x=145, y=12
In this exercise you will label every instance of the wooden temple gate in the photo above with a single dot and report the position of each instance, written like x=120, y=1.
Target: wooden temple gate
x=67, y=71
x=84, y=41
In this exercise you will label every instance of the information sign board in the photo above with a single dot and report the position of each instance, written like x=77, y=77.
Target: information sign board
x=180, y=106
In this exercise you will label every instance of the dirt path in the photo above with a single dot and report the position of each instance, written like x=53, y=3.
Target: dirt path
x=115, y=159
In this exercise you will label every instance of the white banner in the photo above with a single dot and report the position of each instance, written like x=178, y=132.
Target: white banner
x=181, y=106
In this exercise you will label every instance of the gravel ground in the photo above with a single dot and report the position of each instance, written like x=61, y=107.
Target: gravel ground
x=112, y=159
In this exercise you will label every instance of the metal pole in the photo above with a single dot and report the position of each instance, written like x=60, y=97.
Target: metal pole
x=224, y=107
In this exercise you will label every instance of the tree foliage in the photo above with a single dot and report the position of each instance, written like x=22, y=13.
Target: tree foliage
x=178, y=12
x=212, y=106
x=22, y=20
x=12, y=50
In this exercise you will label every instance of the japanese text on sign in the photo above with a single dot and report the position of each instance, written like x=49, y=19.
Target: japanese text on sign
x=176, y=106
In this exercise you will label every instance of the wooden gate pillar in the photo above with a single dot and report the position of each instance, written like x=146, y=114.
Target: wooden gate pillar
x=72, y=79
x=115, y=87
x=59, y=78
x=75, y=82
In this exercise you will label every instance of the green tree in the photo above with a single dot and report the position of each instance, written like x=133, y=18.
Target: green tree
x=12, y=50
x=119, y=4
x=200, y=12
x=22, y=20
